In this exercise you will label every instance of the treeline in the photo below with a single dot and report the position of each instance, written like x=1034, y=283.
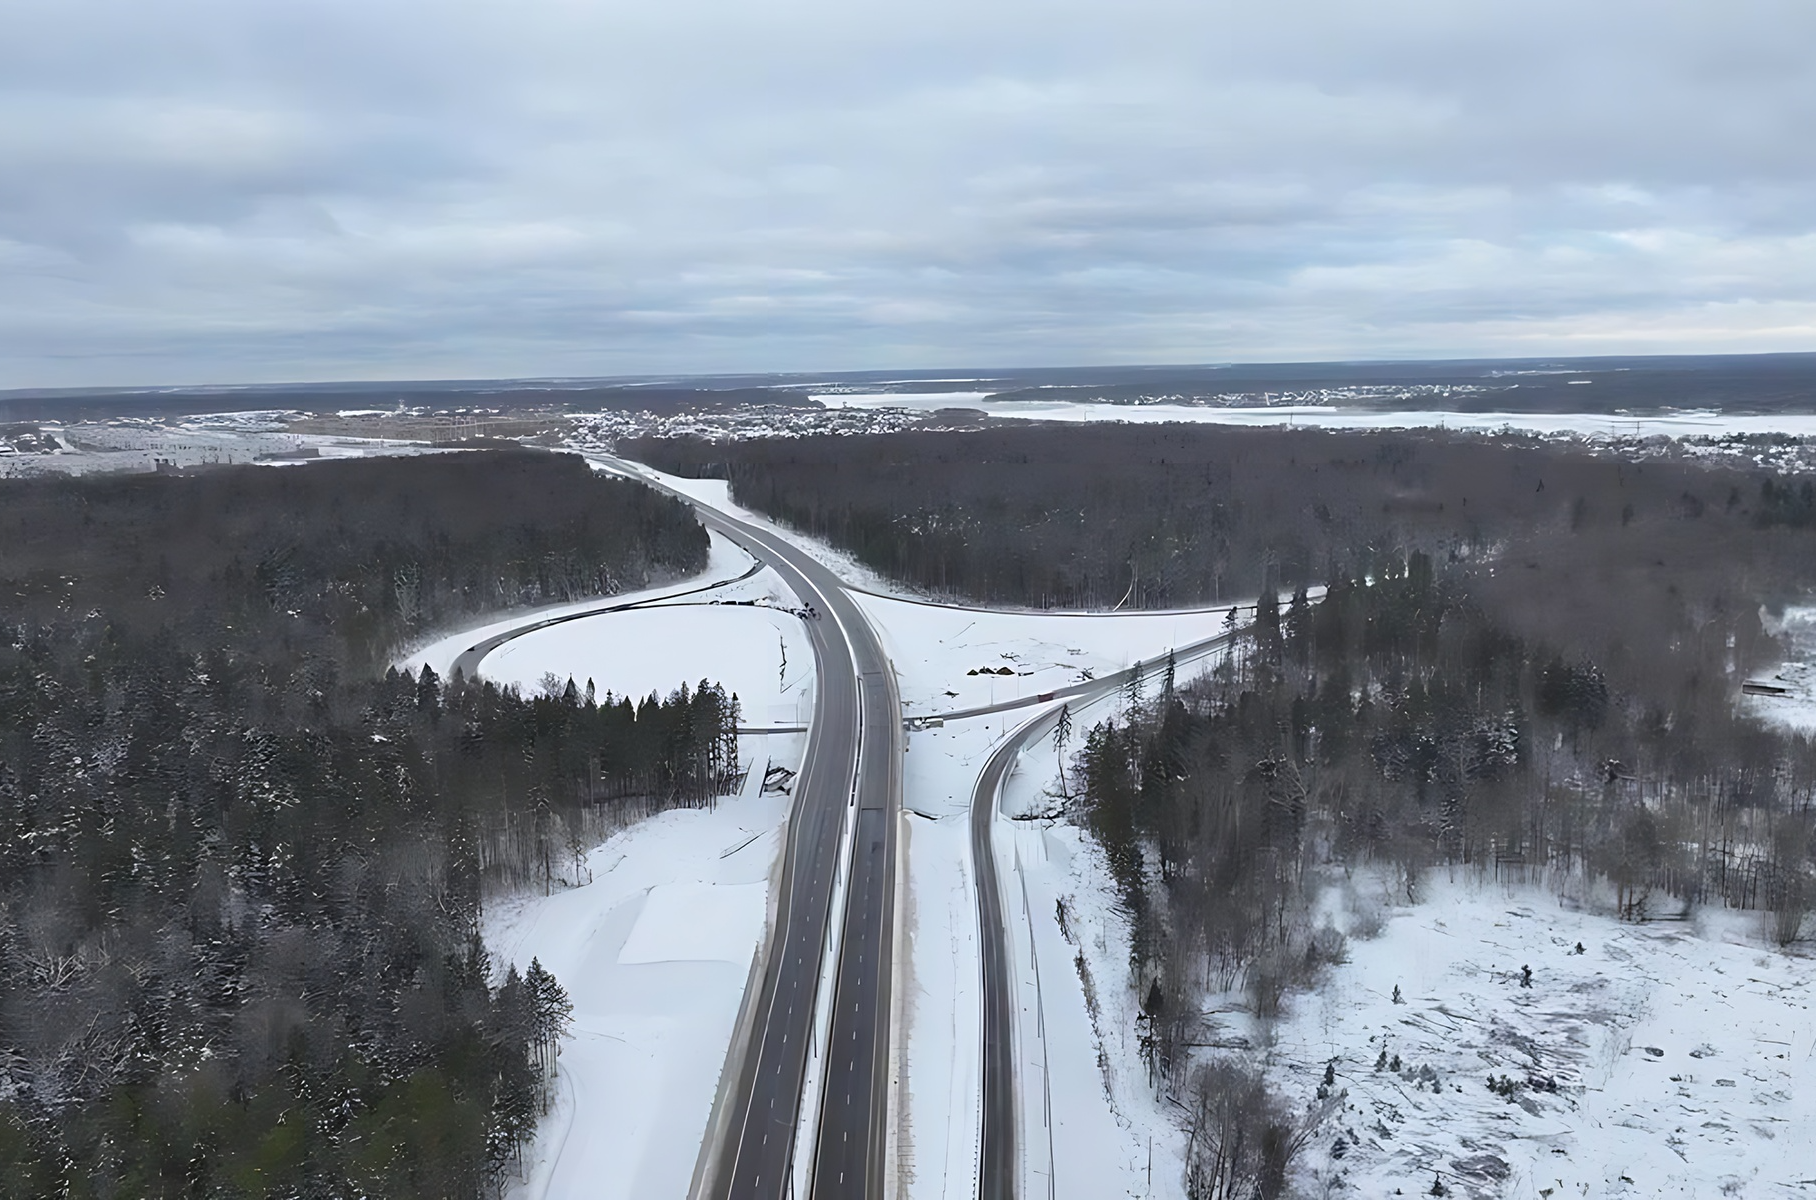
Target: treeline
x=1157, y=516
x=241, y=866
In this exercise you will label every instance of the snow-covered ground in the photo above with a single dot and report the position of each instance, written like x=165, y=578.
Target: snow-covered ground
x=654, y=953
x=940, y=653
x=655, y=650
x=759, y=652
x=203, y=440
x=1683, y=1054
x=1689, y=423
x=1795, y=711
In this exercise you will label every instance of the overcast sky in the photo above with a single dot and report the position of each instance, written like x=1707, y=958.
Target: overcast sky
x=244, y=190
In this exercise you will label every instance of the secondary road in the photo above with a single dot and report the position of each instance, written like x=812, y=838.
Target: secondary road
x=999, y=1167
x=468, y=660
x=851, y=772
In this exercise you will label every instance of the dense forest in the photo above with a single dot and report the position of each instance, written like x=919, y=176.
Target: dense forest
x=1527, y=664
x=242, y=861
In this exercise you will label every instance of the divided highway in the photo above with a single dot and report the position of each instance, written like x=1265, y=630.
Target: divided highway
x=850, y=782
x=851, y=772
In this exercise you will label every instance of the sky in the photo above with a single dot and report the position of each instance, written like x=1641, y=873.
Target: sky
x=217, y=191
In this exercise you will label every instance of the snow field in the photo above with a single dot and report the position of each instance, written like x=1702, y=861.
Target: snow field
x=1688, y=423
x=92, y=447
x=934, y=647
x=654, y=953
x=689, y=921
x=1681, y=1053
x=657, y=649
x=759, y=652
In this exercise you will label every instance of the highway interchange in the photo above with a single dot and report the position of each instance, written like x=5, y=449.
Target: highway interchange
x=817, y=1046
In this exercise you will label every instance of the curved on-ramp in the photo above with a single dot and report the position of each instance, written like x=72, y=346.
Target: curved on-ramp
x=468, y=660
x=999, y=1157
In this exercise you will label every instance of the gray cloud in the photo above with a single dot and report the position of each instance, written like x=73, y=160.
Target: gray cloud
x=209, y=190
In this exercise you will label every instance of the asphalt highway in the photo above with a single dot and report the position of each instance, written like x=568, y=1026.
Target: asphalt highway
x=852, y=771
x=996, y=1160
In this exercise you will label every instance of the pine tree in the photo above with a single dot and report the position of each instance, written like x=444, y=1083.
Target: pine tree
x=551, y=1012
x=1062, y=733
